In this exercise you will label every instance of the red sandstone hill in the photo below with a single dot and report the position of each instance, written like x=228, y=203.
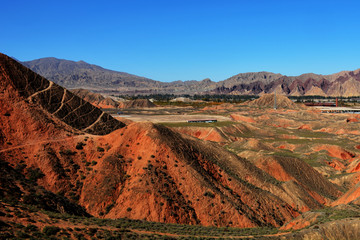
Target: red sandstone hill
x=171, y=178
x=142, y=170
x=95, y=99
x=268, y=100
x=138, y=103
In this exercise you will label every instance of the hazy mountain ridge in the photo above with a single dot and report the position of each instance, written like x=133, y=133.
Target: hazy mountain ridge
x=80, y=74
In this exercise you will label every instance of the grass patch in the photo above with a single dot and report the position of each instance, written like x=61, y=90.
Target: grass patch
x=332, y=214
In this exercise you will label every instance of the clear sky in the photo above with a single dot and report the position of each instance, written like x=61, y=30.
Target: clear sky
x=171, y=40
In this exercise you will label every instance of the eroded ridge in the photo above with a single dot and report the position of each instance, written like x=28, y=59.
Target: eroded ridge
x=56, y=100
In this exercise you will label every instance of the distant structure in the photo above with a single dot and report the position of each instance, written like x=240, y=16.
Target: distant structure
x=202, y=121
x=323, y=104
x=339, y=110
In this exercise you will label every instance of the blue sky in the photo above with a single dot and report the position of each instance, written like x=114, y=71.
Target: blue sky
x=171, y=40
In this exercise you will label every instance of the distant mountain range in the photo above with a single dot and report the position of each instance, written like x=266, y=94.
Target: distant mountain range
x=80, y=74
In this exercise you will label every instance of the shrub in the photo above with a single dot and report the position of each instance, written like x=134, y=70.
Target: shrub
x=109, y=207
x=129, y=209
x=67, y=152
x=21, y=234
x=34, y=174
x=100, y=149
x=209, y=194
x=80, y=145
x=92, y=231
x=31, y=228
x=51, y=230
x=79, y=236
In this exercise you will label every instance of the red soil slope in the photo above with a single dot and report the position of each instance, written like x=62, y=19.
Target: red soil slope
x=137, y=103
x=267, y=100
x=238, y=117
x=204, y=133
x=304, y=183
x=336, y=151
x=349, y=196
x=141, y=171
x=96, y=99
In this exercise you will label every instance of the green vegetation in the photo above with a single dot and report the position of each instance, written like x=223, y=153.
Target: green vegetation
x=67, y=152
x=100, y=149
x=33, y=174
x=209, y=194
x=80, y=145
x=51, y=230
x=331, y=214
x=90, y=227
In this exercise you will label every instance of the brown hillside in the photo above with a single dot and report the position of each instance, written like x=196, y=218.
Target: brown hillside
x=95, y=99
x=138, y=103
x=267, y=100
x=83, y=75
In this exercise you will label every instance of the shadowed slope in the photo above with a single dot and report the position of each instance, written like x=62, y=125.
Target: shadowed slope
x=15, y=187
